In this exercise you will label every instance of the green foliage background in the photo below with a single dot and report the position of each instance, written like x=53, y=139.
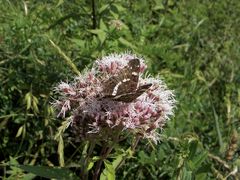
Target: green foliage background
x=193, y=45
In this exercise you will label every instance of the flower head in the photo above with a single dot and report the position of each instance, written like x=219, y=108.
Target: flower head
x=114, y=97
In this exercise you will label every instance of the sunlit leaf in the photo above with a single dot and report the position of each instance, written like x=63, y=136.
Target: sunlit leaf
x=109, y=171
x=28, y=100
x=19, y=132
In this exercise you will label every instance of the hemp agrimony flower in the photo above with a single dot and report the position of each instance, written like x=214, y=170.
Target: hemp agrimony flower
x=114, y=97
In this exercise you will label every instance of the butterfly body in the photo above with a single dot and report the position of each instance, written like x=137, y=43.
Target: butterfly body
x=124, y=85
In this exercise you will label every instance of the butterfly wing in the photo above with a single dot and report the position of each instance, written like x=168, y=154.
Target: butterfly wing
x=129, y=97
x=125, y=81
x=124, y=86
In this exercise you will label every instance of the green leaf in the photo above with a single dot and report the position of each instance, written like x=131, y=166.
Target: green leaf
x=159, y=5
x=201, y=176
x=193, y=149
x=28, y=100
x=118, y=160
x=28, y=176
x=90, y=165
x=199, y=159
x=103, y=8
x=102, y=25
x=20, y=130
x=126, y=43
x=109, y=172
x=170, y=2
x=186, y=175
x=59, y=3
x=61, y=151
x=93, y=160
x=80, y=43
x=48, y=172
x=144, y=158
x=35, y=104
x=13, y=161
x=100, y=33
x=119, y=7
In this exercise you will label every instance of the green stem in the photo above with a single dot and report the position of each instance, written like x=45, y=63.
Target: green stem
x=133, y=147
x=104, y=154
x=86, y=161
x=94, y=19
x=66, y=58
x=216, y=121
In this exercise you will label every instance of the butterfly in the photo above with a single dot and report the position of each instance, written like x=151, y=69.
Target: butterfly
x=124, y=85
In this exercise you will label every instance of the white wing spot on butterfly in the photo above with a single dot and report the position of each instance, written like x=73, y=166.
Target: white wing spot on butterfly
x=125, y=80
x=115, y=89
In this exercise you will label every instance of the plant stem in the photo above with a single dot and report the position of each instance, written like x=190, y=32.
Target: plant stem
x=133, y=147
x=104, y=154
x=94, y=19
x=86, y=161
x=66, y=58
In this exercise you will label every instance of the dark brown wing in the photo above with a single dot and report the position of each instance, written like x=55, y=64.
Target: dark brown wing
x=109, y=85
x=129, y=97
x=125, y=81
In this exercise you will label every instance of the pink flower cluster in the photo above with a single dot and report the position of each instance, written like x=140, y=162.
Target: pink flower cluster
x=92, y=115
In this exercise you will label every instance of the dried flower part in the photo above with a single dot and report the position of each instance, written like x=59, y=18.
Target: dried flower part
x=115, y=97
x=233, y=146
x=118, y=24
